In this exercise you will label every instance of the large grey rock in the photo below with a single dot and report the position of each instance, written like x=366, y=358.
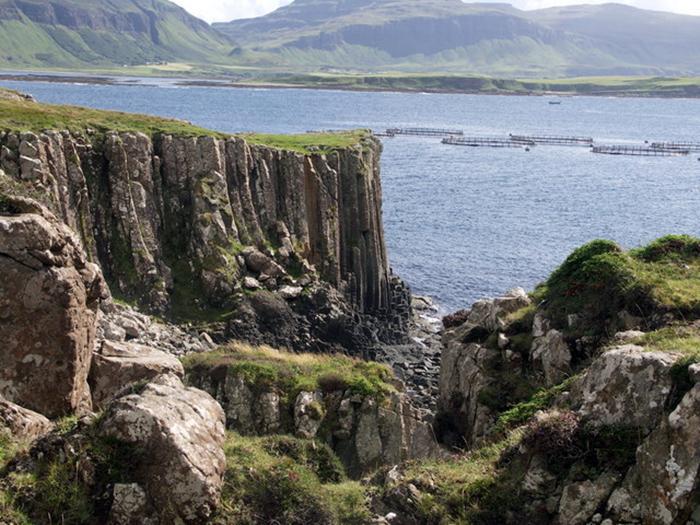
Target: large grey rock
x=551, y=355
x=489, y=314
x=465, y=372
x=259, y=263
x=667, y=474
x=23, y=425
x=49, y=297
x=580, y=500
x=181, y=432
x=118, y=365
x=627, y=386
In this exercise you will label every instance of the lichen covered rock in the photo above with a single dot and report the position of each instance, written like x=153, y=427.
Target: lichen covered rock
x=22, y=424
x=627, y=386
x=181, y=431
x=115, y=366
x=49, y=297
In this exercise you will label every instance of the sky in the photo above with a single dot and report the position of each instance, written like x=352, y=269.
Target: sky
x=225, y=10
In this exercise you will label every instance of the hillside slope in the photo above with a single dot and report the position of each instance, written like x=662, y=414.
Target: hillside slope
x=482, y=38
x=70, y=33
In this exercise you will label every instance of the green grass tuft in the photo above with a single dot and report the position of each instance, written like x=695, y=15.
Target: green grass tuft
x=309, y=143
x=523, y=412
x=599, y=280
x=282, y=479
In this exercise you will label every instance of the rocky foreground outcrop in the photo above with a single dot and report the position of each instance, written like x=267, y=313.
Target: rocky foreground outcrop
x=180, y=433
x=367, y=423
x=49, y=298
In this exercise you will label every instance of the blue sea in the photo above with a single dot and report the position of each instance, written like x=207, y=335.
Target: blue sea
x=467, y=223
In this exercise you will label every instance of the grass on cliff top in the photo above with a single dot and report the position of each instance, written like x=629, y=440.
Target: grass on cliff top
x=281, y=479
x=31, y=116
x=307, y=143
x=267, y=368
x=599, y=280
x=24, y=115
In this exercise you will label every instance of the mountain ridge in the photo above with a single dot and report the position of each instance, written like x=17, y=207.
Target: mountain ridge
x=481, y=38
x=65, y=33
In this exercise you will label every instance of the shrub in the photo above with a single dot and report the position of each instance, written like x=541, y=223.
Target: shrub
x=553, y=434
x=332, y=382
x=596, y=281
x=679, y=247
x=70, y=475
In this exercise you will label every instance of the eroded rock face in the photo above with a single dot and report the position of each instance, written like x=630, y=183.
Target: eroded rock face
x=181, y=431
x=49, y=297
x=627, y=386
x=23, y=424
x=203, y=197
x=118, y=365
x=662, y=485
x=464, y=374
x=363, y=431
x=550, y=354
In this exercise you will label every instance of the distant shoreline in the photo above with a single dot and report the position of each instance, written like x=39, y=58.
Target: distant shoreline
x=568, y=88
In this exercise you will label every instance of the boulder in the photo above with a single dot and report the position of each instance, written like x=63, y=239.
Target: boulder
x=580, y=500
x=668, y=465
x=118, y=365
x=259, y=263
x=627, y=386
x=49, y=298
x=465, y=372
x=551, y=355
x=488, y=315
x=23, y=424
x=290, y=292
x=181, y=432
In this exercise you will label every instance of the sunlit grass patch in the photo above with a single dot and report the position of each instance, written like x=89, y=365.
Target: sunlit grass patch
x=266, y=368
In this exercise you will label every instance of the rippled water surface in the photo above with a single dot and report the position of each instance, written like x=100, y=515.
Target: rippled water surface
x=465, y=223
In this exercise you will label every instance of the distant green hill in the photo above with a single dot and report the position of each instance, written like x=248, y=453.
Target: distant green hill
x=97, y=33
x=452, y=36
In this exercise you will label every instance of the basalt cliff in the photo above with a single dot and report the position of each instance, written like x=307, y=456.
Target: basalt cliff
x=192, y=325
x=274, y=246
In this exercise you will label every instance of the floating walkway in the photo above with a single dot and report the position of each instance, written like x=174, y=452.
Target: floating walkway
x=555, y=140
x=639, y=151
x=674, y=146
x=424, y=132
x=487, y=142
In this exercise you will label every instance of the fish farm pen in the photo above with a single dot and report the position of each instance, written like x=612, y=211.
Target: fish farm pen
x=555, y=140
x=424, y=132
x=690, y=146
x=639, y=151
x=486, y=142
